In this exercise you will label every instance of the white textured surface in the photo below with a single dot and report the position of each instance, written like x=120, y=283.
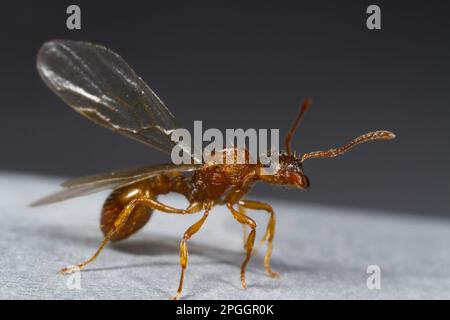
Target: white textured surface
x=320, y=252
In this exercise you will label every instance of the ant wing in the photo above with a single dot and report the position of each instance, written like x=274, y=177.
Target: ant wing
x=78, y=187
x=100, y=85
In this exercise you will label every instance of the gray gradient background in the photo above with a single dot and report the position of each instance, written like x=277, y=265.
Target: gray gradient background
x=248, y=65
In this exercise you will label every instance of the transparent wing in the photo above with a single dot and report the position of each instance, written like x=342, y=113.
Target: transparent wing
x=112, y=180
x=100, y=85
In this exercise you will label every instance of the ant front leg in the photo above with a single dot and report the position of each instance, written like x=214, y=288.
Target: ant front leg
x=244, y=227
x=122, y=219
x=241, y=218
x=184, y=251
x=270, y=231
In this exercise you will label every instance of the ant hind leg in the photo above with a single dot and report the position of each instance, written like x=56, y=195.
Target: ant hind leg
x=122, y=219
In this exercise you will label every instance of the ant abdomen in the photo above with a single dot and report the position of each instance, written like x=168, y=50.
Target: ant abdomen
x=117, y=201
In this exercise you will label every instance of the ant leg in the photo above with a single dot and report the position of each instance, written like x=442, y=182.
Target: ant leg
x=241, y=218
x=270, y=231
x=121, y=220
x=184, y=251
x=157, y=205
x=244, y=227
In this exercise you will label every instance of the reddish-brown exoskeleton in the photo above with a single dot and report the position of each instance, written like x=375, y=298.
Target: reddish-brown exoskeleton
x=97, y=83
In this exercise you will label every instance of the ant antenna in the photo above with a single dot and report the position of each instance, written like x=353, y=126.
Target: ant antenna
x=331, y=153
x=287, y=139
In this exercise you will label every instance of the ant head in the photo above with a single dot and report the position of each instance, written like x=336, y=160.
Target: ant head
x=290, y=169
x=289, y=172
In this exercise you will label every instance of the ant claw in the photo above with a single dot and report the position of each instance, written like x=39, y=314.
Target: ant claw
x=244, y=284
x=176, y=297
x=69, y=270
x=273, y=274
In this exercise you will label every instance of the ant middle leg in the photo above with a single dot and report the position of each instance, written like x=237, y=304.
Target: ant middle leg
x=243, y=219
x=122, y=219
x=184, y=250
x=270, y=231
